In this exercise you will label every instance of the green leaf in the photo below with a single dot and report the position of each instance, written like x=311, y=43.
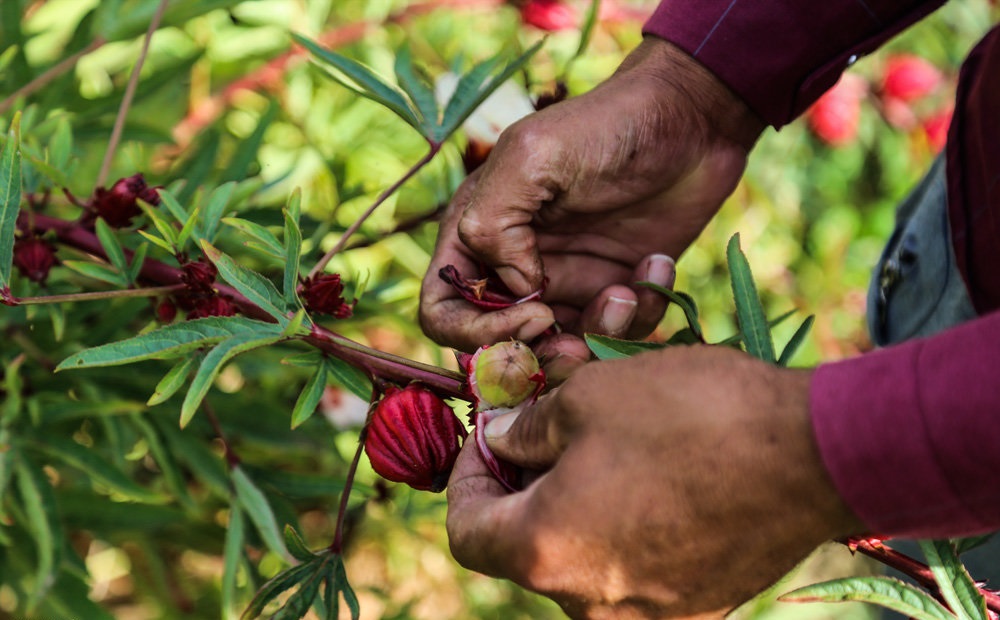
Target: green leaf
x=135, y=265
x=165, y=460
x=736, y=339
x=173, y=380
x=311, y=394
x=296, y=546
x=419, y=92
x=212, y=364
x=885, y=591
x=158, y=241
x=255, y=287
x=293, y=249
x=95, y=271
x=268, y=242
x=363, y=81
x=188, y=228
x=259, y=510
x=277, y=585
x=608, y=348
x=61, y=144
x=58, y=319
x=248, y=149
x=298, y=604
x=10, y=197
x=957, y=587
x=967, y=544
x=683, y=301
x=165, y=228
x=173, y=205
x=308, y=359
x=796, y=341
x=113, y=249
x=471, y=92
x=40, y=509
x=169, y=342
x=683, y=337
x=349, y=377
x=331, y=597
x=749, y=311
x=587, y=30
x=232, y=553
x=294, y=326
x=345, y=587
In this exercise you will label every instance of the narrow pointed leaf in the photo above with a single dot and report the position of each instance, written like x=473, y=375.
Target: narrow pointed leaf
x=188, y=228
x=957, y=588
x=349, y=377
x=293, y=252
x=61, y=144
x=884, y=591
x=259, y=510
x=218, y=201
x=683, y=301
x=264, y=237
x=135, y=264
x=213, y=363
x=608, y=348
x=169, y=342
x=796, y=341
x=749, y=311
x=419, y=92
x=345, y=587
x=173, y=380
x=10, y=197
x=311, y=394
x=299, y=603
x=40, y=509
x=331, y=597
x=296, y=546
x=294, y=326
x=587, y=29
x=95, y=271
x=364, y=81
x=174, y=206
x=251, y=284
x=113, y=249
x=736, y=339
x=278, y=584
x=165, y=460
x=967, y=544
x=232, y=553
x=95, y=467
x=157, y=241
x=239, y=165
x=165, y=228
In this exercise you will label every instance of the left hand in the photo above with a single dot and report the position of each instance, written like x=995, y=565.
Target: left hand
x=677, y=483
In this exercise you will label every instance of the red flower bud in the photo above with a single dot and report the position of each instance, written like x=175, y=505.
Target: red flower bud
x=215, y=305
x=549, y=15
x=118, y=205
x=909, y=77
x=166, y=311
x=413, y=437
x=834, y=117
x=34, y=257
x=324, y=295
x=199, y=276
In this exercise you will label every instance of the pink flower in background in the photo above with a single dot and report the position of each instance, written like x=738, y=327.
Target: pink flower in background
x=908, y=77
x=936, y=128
x=549, y=15
x=834, y=116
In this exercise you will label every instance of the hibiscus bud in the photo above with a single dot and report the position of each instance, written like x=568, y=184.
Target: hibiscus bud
x=413, y=437
x=118, y=205
x=324, y=294
x=34, y=257
x=834, y=117
x=504, y=375
x=215, y=305
x=166, y=311
x=548, y=15
x=909, y=77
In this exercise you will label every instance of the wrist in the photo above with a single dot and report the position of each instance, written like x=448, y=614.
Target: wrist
x=725, y=114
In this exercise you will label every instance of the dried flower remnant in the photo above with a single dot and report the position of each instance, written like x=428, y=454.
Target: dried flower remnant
x=488, y=293
x=324, y=294
x=34, y=257
x=414, y=437
x=119, y=205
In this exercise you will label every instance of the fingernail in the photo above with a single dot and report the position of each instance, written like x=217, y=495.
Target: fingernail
x=661, y=270
x=499, y=426
x=617, y=315
x=533, y=328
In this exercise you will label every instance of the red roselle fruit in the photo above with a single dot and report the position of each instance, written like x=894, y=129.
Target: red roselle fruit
x=118, y=205
x=503, y=378
x=834, y=117
x=909, y=77
x=34, y=257
x=324, y=294
x=413, y=437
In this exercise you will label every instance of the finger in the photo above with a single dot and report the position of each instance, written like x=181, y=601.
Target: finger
x=610, y=313
x=560, y=356
x=459, y=324
x=533, y=437
x=575, y=279
x=658, y=269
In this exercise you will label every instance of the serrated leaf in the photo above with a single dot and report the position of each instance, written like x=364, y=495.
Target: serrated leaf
x=683, y=301
x=232, y=553
x=278, y=584
x=349, y=377
x=40, y=509
x=259, y=510
x=169, y=342
x=796, y=341
x=471, y=92
x=95, y=271
x=268, y=242
x=255, y=287
x=884, y=591
x=293, y=252
x=218, y=201
x=363, y=81
x=957, y=588
x=608, y=348
x=419, y=92
x=296, y=546
x=749, y=311
x=112, y=248
x=10, y=197
x=173, y=380
x=311, y=394
x=212, y=364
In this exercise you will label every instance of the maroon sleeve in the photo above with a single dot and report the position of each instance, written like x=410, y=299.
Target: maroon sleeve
x=910, y=433
x=781, y=55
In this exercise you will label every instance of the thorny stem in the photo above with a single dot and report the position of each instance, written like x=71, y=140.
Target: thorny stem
x=133, y=82
x=915, y=569
x=389, y=191
x=152, y=291
x=337, y=546
x=52, y=73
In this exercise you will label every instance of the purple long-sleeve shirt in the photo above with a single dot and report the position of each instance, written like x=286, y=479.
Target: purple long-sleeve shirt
x=910, y=434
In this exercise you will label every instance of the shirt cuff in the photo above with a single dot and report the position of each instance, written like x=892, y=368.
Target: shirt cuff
x=909, y=434
x=781, y=55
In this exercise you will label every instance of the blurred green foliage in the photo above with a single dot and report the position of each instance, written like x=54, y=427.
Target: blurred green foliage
x=109, y=509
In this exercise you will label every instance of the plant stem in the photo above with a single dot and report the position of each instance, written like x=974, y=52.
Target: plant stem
x=337, y=546
x=152, y=291
x=133, y=82
x=231, y=459
x=389, y=191
x=52, y=73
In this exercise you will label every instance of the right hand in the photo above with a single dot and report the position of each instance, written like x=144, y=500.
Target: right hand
x=592, y=193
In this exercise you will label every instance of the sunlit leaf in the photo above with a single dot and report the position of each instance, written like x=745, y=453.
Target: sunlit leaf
x=10, y=197
x=255, y=287
x=259, y=510
x=608, y=348
x=884, y=591
x=113, y=249
x=749, y=311
x=796, y=341
x=311, y=394
x=349, y=377
x=957, y=588
x=232, y=553
x=173, y=380
x=264, y=237
x=419, y=92
x=296, y=546
x=682, y=300
x=247, y=151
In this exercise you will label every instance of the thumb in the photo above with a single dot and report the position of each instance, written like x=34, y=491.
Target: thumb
x=531, y=437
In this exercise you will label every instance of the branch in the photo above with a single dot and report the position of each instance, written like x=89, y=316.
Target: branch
x=52, y=73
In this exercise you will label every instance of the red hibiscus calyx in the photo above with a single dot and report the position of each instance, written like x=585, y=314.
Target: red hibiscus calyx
x=487, y=293
x=414, y=437
x=119, y=205
x=324, y=294
x=34, y=257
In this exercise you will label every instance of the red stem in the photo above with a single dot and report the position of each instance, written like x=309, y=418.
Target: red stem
x=337, y=546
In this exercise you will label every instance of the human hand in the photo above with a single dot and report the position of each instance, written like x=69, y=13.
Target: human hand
x=677, y=483
x=593, y=193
